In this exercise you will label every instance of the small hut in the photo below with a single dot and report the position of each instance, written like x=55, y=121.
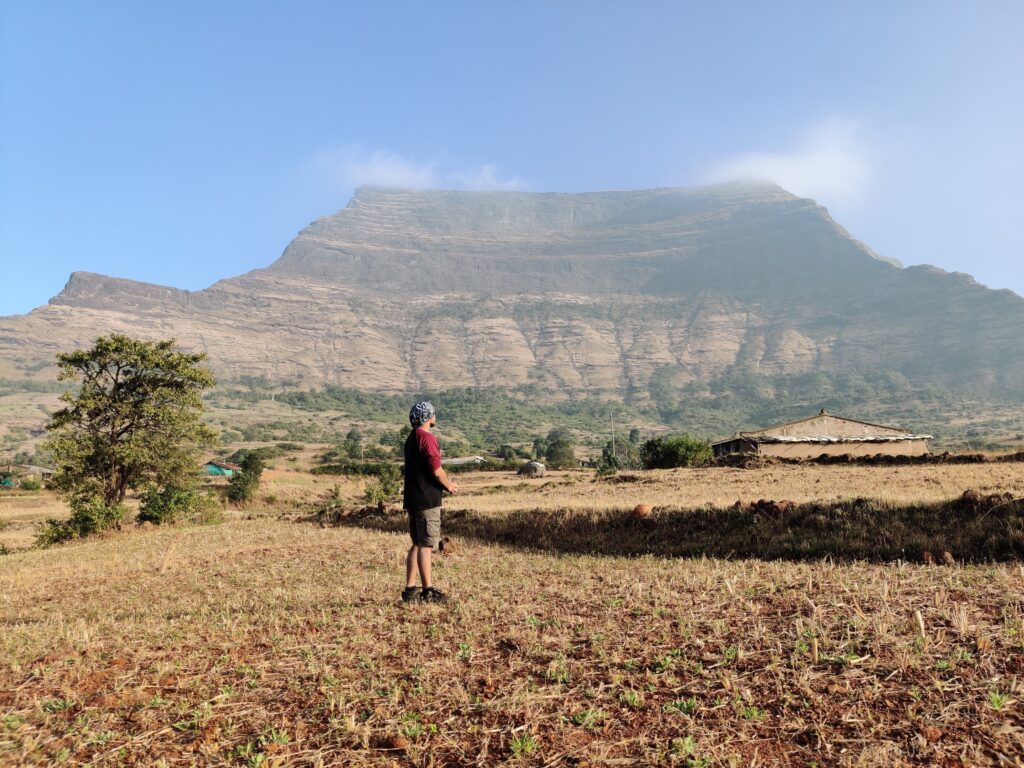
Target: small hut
x=827, y=435
x=460, y=461
x=216, y=468
x=532, y=469
x=18, y=473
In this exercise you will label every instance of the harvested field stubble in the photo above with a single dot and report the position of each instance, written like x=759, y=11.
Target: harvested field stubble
x=268, y=642
x=722, y=486
x=975, y=527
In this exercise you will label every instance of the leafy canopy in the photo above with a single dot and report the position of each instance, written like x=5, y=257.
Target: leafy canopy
x=134, y=420
x=243, y=484
x=674, y=451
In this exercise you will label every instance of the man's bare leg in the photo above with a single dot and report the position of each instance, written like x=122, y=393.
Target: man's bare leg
x=423, y=560
x=411, y=566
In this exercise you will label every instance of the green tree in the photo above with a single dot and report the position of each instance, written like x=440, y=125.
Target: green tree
x=505, y=451
x=398, y=440
x=243, y=484
x=540, y=448
x=559, y=433
x=634, y=436
x=133, y=422
x=560, y=454
x=134, y=419
x=626, y=455
x=674, y=451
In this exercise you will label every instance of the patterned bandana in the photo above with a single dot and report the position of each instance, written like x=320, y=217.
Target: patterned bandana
x=421, y=413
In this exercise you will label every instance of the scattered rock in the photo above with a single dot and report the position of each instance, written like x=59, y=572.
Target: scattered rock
x=947, y=558
x=770, y=508
x=447, y=546
x=396, y=741
x=641, y=511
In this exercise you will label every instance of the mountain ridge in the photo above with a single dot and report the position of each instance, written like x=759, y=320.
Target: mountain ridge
x=572, y=294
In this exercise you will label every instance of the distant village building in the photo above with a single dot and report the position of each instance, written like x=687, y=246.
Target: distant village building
x=15, y=474
x=33, y=472
x=221, y=468
x=824, y=434
x=463, y=460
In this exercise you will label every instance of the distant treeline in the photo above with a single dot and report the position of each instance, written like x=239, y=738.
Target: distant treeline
x=738, y=399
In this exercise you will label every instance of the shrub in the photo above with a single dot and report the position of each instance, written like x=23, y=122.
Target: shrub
x=560, y=454
x=674, y=451
x=331, y=507
x=384, y=487
x=243, y=484
x=88, y=516
x=367, y=468
x=30, y=485
x=172, y=505
x=608, y=466
x=505, y=451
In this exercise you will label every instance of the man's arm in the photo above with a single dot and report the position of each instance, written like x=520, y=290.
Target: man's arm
x=428, y=446
x=442, y=477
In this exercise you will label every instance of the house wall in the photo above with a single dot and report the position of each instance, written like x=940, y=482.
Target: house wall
x=814, y=450
x=734, y=446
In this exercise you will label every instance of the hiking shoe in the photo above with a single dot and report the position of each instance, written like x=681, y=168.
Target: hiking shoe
x=410, y=593
x=431, y=595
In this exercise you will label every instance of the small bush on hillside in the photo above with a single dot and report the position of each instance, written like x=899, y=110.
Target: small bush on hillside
x=505, y=451
x=243, y=485
x=88, y=516
x=30, y=485
x=384, y=487
x=266, y=453
x=171, y=505
x=674, y=451
x=331, y=507
x=367, y=468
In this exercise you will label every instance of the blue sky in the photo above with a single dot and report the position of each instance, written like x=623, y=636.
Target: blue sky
x=181, y=143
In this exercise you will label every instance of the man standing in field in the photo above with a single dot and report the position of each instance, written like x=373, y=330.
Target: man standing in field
x=425, y=479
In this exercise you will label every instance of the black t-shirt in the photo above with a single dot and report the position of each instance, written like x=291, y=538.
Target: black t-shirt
x=422, y=458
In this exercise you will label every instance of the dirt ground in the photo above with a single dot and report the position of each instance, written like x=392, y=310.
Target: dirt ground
x=268, y=640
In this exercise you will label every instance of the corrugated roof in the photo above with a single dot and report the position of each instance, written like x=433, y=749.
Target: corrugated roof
x=827, y=438
x=759, y=435
x=223, y=464
x=464, y=460
x=823, y=412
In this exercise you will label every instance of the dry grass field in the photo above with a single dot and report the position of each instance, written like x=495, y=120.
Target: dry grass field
x=722, y=486
x=269, y=640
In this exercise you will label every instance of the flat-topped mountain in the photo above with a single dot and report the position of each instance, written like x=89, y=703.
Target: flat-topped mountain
x=598, y=293
x=737, y=239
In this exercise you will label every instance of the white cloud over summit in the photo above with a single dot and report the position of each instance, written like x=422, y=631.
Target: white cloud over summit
x=353, y=166
x=831, y=164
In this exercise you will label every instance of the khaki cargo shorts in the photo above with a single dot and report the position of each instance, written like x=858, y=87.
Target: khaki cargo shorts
x=425, y=527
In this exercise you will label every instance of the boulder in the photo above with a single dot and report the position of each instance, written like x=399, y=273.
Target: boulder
x=532, y=469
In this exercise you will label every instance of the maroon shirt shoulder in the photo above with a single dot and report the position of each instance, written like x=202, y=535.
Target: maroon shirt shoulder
x=429, y=448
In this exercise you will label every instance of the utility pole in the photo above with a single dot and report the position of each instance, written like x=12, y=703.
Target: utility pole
x=613, y=434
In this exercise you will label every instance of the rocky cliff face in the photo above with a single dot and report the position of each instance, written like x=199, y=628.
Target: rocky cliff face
x=588, y=293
